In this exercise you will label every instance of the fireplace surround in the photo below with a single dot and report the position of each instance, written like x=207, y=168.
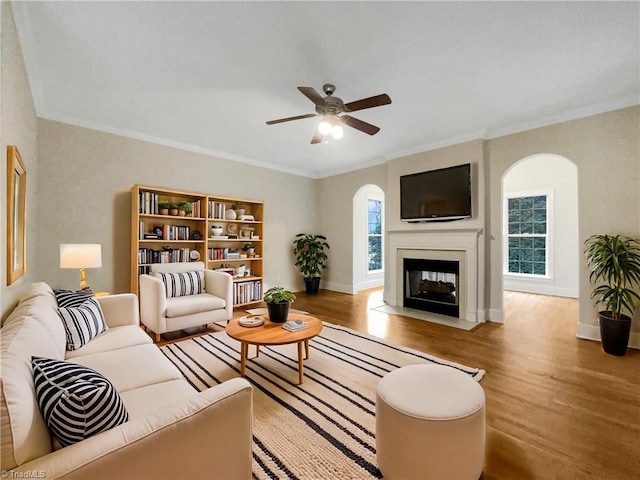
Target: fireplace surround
x=454, y=245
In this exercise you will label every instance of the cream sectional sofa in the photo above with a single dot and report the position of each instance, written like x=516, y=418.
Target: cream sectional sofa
x=173, y=431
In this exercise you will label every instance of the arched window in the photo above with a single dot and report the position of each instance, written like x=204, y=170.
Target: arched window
x=375, y=228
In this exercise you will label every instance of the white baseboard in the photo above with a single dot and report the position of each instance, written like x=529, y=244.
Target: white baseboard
x=496, y=315
x=369, y=284
x=592, y=332
x=540, y=289
x=338, y=287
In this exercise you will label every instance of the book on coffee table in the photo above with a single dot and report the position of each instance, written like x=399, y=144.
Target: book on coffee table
x=294, y=325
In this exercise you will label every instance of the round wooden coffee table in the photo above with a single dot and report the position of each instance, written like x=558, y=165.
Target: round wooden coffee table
x=273, y=334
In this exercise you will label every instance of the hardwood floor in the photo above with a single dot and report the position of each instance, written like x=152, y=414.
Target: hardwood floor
x=557, y=407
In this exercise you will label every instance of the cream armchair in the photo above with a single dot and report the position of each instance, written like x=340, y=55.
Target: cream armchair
x=162, y=312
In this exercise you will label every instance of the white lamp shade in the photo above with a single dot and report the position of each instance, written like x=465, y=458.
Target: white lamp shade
x=80, y=255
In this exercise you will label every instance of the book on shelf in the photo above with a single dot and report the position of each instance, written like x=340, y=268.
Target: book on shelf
x=247, y=292
x=147, y=203
x=294, y=325
x=175, y=255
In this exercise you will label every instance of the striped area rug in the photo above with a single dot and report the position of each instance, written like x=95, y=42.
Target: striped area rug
x=322, y=429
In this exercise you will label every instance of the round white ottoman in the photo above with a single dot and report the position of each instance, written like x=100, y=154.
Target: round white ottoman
x=430, y=424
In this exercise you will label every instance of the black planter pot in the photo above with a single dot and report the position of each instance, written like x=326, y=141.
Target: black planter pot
x=278, y=312
x=614, y=333
x=312, y=285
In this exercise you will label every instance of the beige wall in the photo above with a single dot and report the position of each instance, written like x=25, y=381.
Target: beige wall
x=335, y=221
x=84, y=197
x=18, y=126
x=605, y=148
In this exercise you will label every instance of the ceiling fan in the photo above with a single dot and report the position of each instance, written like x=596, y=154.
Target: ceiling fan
x=331, y=107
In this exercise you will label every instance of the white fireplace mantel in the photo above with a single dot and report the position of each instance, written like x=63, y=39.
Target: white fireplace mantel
x=460, y=244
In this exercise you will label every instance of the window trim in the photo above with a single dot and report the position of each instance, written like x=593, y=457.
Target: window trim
x=380, y=199
x=550, y=234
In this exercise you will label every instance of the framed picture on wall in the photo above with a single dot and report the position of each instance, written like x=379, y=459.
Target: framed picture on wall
x=16, y=215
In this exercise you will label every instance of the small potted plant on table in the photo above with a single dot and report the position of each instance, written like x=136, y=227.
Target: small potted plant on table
x=278, y=300
x=614, y=261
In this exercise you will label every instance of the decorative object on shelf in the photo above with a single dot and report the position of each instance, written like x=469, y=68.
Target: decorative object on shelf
x=163, y=207
x=230, y=215
x=278, y=301
x=184, y=208
x=614, y=260
x=232, y=228
x=157, y=231
x=216, y=230
x=196, y=235
x=173, y=209
x=16, y=215
x=239, y=208
x=240, y=270
x=311, y=258
x=81, y=255
x=246, y=232
x=247, y=218
x=194, y=255
x=248, y=248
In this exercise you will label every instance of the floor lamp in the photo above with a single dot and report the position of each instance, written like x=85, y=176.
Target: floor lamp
x=81, y=255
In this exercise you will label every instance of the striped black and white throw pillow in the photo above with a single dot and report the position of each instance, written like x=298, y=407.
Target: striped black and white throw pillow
x=182, y=283
x=72, y=298
x=82, y=323
x=76, y=402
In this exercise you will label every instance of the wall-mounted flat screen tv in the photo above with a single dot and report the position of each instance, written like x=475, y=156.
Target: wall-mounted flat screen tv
x=436, y=195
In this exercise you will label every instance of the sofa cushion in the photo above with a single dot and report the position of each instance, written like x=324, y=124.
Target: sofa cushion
x=72, y=298
x=179, y=284
x=39, y=303
x=132, y=367
x=111, y=339
x=76, y=402
x=179, y=306
x=143, y=400
x=82, y=323
x=24, y=432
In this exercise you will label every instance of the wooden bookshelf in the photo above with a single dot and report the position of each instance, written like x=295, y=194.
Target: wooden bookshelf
x=178, y=238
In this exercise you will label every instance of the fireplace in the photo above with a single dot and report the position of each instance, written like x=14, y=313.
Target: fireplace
x=432, y=285
x=460, y=246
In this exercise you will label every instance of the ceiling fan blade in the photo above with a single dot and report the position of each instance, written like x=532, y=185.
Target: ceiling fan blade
x=312, y=95
x=359, y=125
x=317, y=138
x=378, y=100
x=288, y=119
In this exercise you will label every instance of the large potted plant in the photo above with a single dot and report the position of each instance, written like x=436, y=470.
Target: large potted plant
x=311, y=258
x=614, y=266
x=278, y=300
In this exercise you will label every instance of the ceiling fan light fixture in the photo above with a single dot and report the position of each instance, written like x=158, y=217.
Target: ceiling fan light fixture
x=337, y=132
x=325, y=127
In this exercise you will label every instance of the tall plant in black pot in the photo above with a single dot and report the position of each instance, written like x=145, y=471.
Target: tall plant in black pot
x=614, y=265
x=311, y=258
x=278, y=301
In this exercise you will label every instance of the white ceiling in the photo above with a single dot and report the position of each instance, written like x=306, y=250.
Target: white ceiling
x=206, y=76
